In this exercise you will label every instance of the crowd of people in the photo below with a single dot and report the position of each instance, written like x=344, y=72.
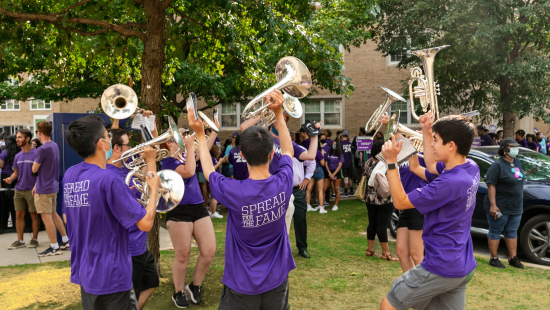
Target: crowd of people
x=536, y=142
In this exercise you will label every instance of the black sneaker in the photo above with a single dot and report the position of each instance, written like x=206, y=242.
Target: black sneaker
x=495, y=262
x=64, y=245
x=180, y=301
x=514, y=262
x=194, y=293
x=50, y=252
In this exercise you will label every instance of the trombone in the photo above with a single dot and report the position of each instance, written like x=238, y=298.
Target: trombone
x=294, y=79
x=382, y=110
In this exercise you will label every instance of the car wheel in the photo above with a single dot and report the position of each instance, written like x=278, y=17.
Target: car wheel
x=534, y=239
x=393, y=222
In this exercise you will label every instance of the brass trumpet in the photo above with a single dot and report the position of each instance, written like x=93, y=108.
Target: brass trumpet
x=395, y=127
x=374, y=120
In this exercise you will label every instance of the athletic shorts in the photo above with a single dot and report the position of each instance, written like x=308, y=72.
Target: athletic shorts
x=24, y=200
x=338, y=175
x=420, y=289
x=187, y=213
x=116, y=301
x=318, y=174
x=200, y=177
x=411, y=219
x=275, y=299
x=144, y=272
x=346, y=172
x=45, y=203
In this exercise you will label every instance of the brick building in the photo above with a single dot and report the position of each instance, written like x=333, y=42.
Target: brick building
x=368, y=69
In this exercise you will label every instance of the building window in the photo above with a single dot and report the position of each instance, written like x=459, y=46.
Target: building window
x=231, y=115
x=396, y=57
x=38, y=104
x=327, y=110
x=405, y=116
x=10, y=105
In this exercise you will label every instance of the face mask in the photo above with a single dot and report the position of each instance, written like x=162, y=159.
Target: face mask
x=530, y=140
x=108, y=153
x=514, y=152
x=323, y=140
x=274, y=130
x=333, y=147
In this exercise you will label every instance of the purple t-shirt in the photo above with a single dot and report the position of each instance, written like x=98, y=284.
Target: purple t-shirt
x=348, y=155
x=100, y=208
x=48, y=175
x=23, y=163
x=523, y=142
x=240, y=168
x=486, y=140
x=193, y=193
x=7, y=170
x=199, y=167
x=258, y=256
x=448, y=204
x=138, y=238
x=218, y=143
x=274, y=166
x=318, y=158
x=306, y=143
x=533, y=146
x=332, y=161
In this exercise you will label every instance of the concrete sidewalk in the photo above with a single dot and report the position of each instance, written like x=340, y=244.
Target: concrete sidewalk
x=30, y=255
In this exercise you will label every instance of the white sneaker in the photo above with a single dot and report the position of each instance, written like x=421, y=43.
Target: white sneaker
x=310, y=208
x=322, y=210
x=335, y=208
x=216, y=215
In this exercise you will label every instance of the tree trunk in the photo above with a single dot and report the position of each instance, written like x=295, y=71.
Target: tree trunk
x=508, y=115
x=152, y=61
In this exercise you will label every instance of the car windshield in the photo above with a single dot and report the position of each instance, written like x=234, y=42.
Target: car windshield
x=535, y=166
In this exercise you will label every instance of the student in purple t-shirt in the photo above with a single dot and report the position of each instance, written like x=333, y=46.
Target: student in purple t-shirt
x=23, y=199
x=447, y=203
x=483, y=137
x=306, y=140
x=46, y=164
x=532, y=143
x=520, y=138
x=334, y=160
x=7, y=158
x=100, y=209
x=190, y=219
x=258, y=257
x=240, y=168
x=205, y=187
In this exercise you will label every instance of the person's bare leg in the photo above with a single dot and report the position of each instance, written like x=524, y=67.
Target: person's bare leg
x=386, y=305
x=180, y=234
x=310, y=185
x=143, y=296
x=337, y=186
x=59, y=224
x=416, y=246
x=493, y=247
x=20, y=224
x=385, y=248
x=203, y=231
x=321, y=192
x=50, y=226
x=213, y=205
x=402, y=249
x=370, y=245
x=512, y=245
x=35, y=225
x=204, y=192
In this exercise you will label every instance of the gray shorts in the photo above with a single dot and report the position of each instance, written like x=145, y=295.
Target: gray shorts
x=276, y=299
x=421, y=289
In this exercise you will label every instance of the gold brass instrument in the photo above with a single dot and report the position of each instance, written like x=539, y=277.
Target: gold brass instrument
x=119, y=101
x=374, y=120
x=395, y=127
x=426, y=90
x=294, y=79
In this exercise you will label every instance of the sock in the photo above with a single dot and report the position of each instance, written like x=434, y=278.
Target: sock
x=54, y=246
x=22, y=241
x=65, y=239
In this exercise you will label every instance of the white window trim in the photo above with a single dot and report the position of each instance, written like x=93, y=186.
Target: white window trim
x=322, y=112
x=410, y=118
x=35, y=117
x=30, y=105
x=390, y=63
x=222, y=127
x=4, y=110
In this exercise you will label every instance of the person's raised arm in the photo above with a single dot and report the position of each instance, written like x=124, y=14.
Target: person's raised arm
x=414, y=167
x=312, y=150
x=276, y=98
x=188, y=170
x=426, y=122
x=390, y=150
x=115, y=124
x=204, y=151
x=153, y=181
x=249, y=123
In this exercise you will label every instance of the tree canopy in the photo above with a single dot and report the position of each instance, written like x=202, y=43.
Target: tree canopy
x=224, y=51
x=498, y=61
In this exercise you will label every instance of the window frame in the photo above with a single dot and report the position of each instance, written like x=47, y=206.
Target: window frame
x=322, y=99
x=238, y=109
x=410, y=118
x=6, y=102
x=37, y=109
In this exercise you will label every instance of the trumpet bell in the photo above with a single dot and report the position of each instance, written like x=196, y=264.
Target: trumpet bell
x=171, y=190
x=207, y=122
x=119, y=101
x=393, y=96
x=175, y=133
x=300, y=84
x=292, y=106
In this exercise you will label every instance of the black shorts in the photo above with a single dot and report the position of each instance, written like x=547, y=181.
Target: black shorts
x=411, y=219
x=275, y=299
x=347, y=172
x=116, y=301
x=144, y=272
x=338, y=175
x=187, y=213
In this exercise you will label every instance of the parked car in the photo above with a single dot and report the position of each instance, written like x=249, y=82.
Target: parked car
x=534, y=230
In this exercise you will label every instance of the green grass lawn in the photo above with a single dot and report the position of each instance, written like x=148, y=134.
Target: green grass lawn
x=338, y=275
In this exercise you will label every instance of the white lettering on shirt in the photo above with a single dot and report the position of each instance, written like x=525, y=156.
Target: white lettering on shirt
x=347, y=148
x=472, y=191
x=264, y=212
x=75, y=194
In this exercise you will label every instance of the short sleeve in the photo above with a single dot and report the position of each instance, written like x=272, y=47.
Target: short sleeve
x=298, y=150
x=230, y=158
x=432, y=196
x=440, y=167
x=429, y=176
x=493, y=173
x=219, y=186
x=285, y=172
x=319, y=156
x=40, y=156
x=15, y=160
x=3, y=155
x=123, y=203
x=342, y=158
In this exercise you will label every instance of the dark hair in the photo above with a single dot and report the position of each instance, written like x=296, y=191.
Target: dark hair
x=213, y=150
x=458, y=129
x=26, y=132
x=371, y=133
x=376, y=148
x=492, y=135
x=328, y=133
x=11, y=148
x=117, y=134
x=499, y=131
x=37, y=141
x=521, y=132
x=45, y=128
x=238, y=140
x=362, y=131
x=84, y=133
x=531, y=136
x=257, y=144
x=337, y=151
x=503, y=149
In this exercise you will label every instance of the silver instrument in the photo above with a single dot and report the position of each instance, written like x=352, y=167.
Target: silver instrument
x=382, y=110
x=207, y=123
x=171, y=188
x=426, y=90
x=294, y=79
x=414, y=137
x=119, y=101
